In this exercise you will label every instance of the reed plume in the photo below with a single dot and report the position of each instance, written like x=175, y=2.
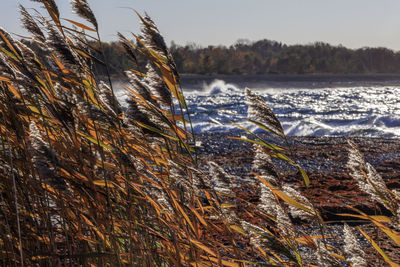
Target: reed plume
x=82, y=9
x=157, y=85
x=152, y=37
x=268, y=202
x=57, y=43
x=31, y=26
x=50, y=5
x=355, y=254
x=294, y=211
x=259, y=111
x=284, y=224
x=254, y=232
x=324, y=257
x=44, y=158
x=222, y=181
x=368, y=179
x=140, y=86
x=263, y=164
x=111, y=104
x=154, y=41
x=127, y=45
x=97, y=183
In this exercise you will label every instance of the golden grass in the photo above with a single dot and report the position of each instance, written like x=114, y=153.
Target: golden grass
x=86, y=182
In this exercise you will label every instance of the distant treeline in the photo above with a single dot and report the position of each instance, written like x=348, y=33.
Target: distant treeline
x=263, y=57
x=267, y=56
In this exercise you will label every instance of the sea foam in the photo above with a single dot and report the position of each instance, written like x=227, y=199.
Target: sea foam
x=372, y=111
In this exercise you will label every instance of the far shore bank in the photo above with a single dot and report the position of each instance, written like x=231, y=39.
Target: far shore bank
x=191, y=81
x=295, y=80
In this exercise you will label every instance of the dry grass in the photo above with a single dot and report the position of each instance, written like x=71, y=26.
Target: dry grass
x=87, y=182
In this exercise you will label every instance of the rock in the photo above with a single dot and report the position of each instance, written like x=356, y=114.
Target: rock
x=324, y=159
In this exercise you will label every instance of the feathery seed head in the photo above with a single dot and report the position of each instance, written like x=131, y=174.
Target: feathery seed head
x=222, y=181
x=153, y=40
x=179, y=175
x=134, y=113
x=294, y=211
x=127, y=46
x=82, y=9
x=362, y=170
x=11, y=40
x=91, y=111
x=355, y=254
x=263, y=164
x=152, y=37
x=324, y=258
x=397, y=193
x=159, y=195
x=111, y=104
x=284, y=222
x=30, y=25
x=157, y=85
x=49, y=4
x=64, y=94
x=259, y=111
x=35, y=136
x=254, y=232
x=58, y=44
x=29, y=57
x=200, y=179
x=43, y=157
x=268, y=202
x=139, y=86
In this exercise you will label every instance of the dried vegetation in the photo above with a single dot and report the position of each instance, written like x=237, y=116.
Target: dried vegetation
x=85, y=181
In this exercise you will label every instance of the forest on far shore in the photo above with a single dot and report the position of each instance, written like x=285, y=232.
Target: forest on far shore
x=265, y=57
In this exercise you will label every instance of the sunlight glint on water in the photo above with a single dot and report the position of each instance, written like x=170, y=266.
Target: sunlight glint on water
x=352, y=111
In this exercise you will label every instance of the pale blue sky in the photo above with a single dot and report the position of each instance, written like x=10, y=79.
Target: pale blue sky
x=352, y=23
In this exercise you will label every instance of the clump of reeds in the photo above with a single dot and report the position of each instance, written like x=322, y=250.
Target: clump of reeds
x=278, y=199
x=84, y=181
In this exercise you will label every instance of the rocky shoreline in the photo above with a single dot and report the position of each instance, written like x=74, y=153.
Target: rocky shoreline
x=324, y=159
x=331, y=186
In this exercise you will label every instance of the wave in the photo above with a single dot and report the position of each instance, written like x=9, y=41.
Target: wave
x=216, y=87
x=308, y=128
x=358, y=111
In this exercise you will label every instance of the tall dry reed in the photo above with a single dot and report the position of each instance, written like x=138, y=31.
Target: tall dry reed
x=85, y=181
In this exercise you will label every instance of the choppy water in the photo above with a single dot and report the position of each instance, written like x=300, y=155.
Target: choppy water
x=360, y=110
